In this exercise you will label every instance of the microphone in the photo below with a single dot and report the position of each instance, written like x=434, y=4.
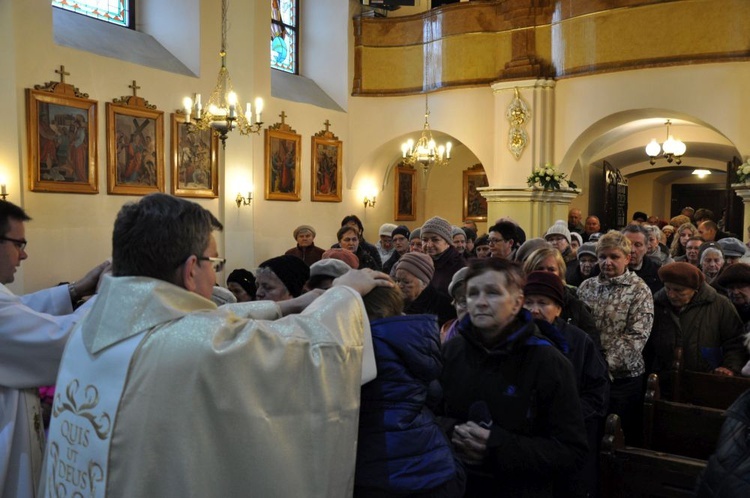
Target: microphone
x=479, y=412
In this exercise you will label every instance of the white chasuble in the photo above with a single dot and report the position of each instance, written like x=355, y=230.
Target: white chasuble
x=172, y=397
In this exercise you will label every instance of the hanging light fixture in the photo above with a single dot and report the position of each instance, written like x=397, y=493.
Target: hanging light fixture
x=425, y=151
x=221, y=113
x=672, y=149
x=701, y=173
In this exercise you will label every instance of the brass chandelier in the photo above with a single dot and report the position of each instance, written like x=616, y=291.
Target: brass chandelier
x=425, y=151
x=221, y=112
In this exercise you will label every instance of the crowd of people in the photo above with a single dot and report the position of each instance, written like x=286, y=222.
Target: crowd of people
x=437, y=362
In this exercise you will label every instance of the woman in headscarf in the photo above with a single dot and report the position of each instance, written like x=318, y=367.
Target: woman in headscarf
x=574, y=310
x=281, y=278
x=242, y=284
x=413, y=273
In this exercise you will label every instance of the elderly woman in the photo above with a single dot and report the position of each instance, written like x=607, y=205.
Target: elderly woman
x=324, y=272
x=401, y=450
x=711, y=260
x=655, y=249
x=457, y=292
x=544, y=296
x=348, y=238
x=679, y=242
x=573, y=310
x=586, y=255
x=509, y=393
x=413, y=273
x=690, y=313
x=623, y=310
x=281, y=278
x=482, y=247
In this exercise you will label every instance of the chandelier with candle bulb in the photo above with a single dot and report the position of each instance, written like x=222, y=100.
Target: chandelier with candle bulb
x=672, y=149
x=222, y=112
x=426, y=152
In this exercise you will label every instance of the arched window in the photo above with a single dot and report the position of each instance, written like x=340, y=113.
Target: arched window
x=119, y=12
x=284, y=35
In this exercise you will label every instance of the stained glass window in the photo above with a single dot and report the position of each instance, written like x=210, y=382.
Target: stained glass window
x=118, y=12
x=284, y=35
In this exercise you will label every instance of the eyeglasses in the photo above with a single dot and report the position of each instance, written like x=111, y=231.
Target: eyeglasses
x=495, y=241
x=19, y=243
x=217, y=263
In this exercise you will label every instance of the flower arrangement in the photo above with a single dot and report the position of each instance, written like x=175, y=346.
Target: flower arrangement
x=549, y=178
x=743, y=172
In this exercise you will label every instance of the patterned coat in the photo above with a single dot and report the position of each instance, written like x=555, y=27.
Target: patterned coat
x=623, y=309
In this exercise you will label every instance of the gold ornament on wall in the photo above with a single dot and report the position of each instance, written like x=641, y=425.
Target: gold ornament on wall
x=517, y=115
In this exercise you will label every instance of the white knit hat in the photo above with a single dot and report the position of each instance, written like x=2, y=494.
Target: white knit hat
x=559, y=228
x=387, y=229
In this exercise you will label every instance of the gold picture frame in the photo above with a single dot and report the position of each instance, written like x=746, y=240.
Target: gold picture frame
x=325, y=182
x=61, y=125
x=475, y=205
x=135, y=147
x=282, y=162
x=195, y=159
x=405, y=205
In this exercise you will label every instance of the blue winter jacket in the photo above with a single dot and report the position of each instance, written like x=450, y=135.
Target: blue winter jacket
x=401, y=447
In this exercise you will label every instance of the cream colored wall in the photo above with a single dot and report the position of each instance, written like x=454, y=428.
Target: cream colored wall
x=70, y=233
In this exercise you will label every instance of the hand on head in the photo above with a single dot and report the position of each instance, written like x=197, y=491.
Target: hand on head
x=363, y=281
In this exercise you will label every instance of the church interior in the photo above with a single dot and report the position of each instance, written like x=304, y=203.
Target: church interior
x=597, y=82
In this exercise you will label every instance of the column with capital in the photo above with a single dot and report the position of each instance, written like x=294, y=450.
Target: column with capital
x=524, y=111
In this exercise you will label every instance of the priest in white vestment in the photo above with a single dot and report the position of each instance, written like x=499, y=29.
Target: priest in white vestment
x=162, y=394
x=33, y=332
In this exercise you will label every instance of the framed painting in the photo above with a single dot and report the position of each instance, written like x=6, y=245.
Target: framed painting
x=282, y=163
x=195, y=163
x=475, y=205
x=326, y=167
x=406, y=193
x=61, y=131
x=135, y=147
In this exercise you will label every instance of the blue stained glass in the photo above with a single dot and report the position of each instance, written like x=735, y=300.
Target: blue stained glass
x=282, y=51
x=284, y=35
x=113, y=11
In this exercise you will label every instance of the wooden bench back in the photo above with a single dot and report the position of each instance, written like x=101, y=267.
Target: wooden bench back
x=637, y=472
x=679, y=428
x=700, y=388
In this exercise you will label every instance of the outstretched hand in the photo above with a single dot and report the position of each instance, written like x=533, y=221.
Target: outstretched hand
x=363, y=281
x=89, y=283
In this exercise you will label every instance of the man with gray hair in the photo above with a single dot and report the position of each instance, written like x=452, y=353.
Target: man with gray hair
x=161, y=393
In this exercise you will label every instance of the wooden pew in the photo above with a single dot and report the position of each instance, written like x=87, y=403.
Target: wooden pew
x=700, y=388
x=636, y=472
x=679, y=428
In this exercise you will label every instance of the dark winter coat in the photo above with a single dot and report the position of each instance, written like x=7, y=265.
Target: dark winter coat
x=311, y=254
x=432, y=302
x=649, y=274
x=446, y=265
x=727, y=474
x=537, y=432
x=708, y=329
x=401, y=448
x=576, y=312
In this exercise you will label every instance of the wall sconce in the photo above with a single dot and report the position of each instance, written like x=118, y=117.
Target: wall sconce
x=3, y=191
x=244, y=201
x=369, y=201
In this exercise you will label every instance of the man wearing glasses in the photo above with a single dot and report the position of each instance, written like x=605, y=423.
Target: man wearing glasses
x=33, y=331
x=163, y=394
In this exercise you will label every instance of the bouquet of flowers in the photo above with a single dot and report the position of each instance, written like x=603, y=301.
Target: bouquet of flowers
x=743, y=172
x=549, y=178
